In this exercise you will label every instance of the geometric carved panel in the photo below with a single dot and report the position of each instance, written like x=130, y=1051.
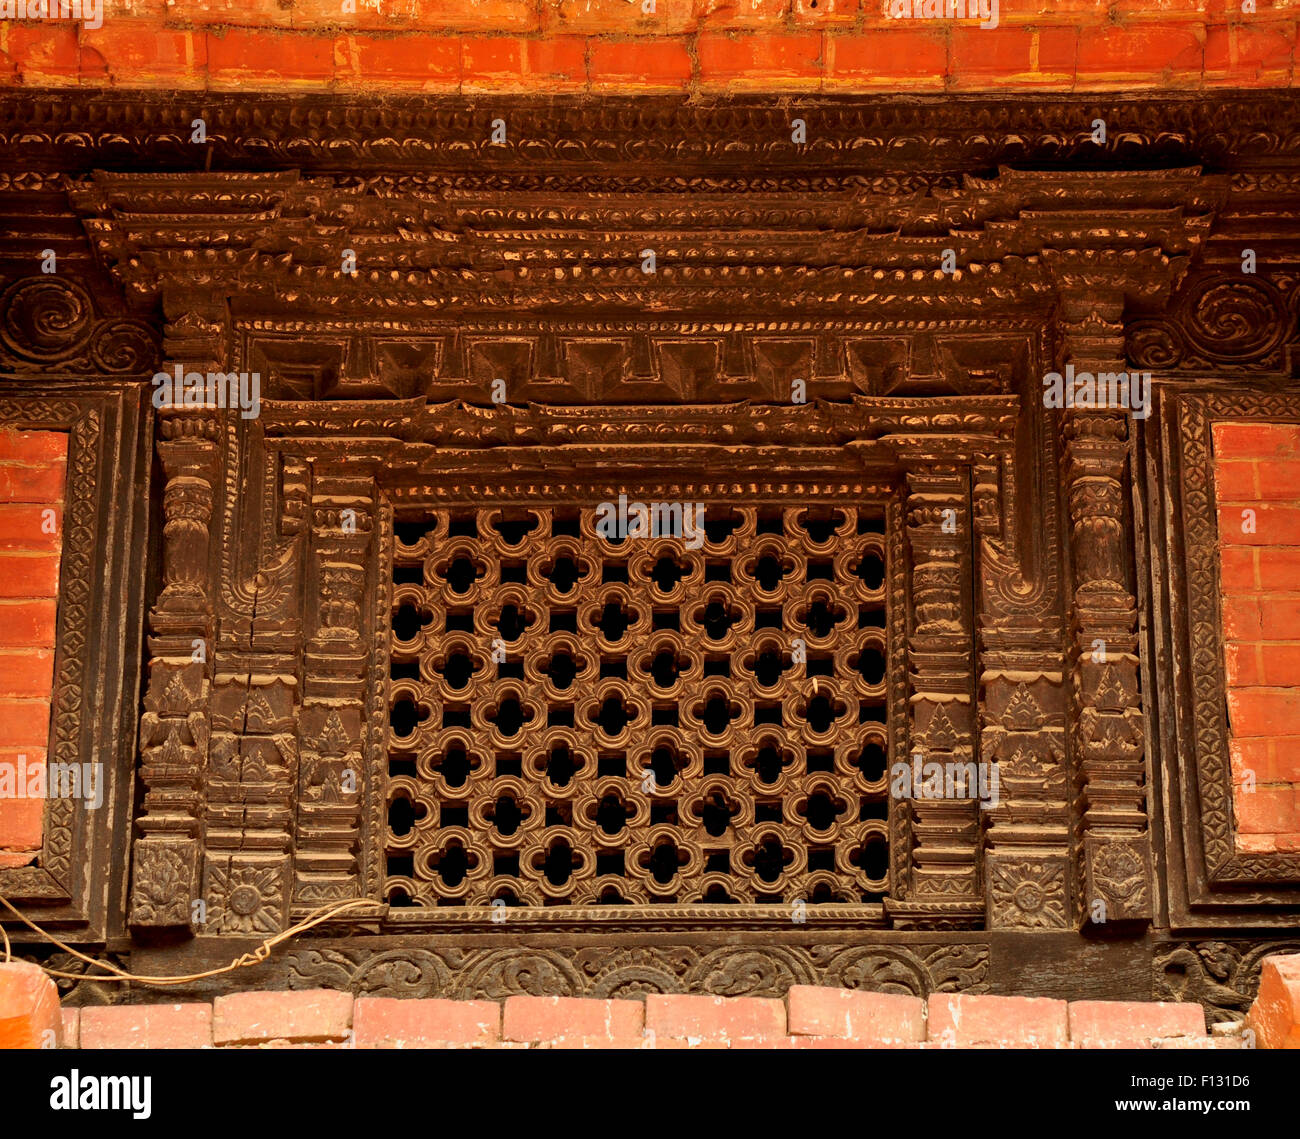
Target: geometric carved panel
x=582, y=719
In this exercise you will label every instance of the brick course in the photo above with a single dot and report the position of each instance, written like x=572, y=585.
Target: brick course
x=695, y=46
x=808, y=1017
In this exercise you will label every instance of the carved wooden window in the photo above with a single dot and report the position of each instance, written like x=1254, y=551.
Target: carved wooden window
x=581, y=719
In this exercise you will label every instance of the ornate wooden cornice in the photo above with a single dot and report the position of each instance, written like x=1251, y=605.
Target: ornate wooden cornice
x=646, y=141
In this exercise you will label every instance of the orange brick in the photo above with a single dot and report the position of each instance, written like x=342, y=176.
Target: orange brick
x=1251, y=758
x=475, y=15
x=1235, y=481
x=1241, y=663
x=33, y=446
x=419, y=62
x=240, y=56
x=557, y=62
x=45, y=54
x=10, y=859
x=27, y=526
x=641, y=65
x=1014, y=54
x=40, y=483
x=1245, y=54
x=1279, y=480
x=1237, y=569
x=147, y=1026
x=1263, y=711
x=1275, y=1015
x=698, y=1017
x=1266, y=810
x=1279, y=568
x=620, y=17
x=386, y=1022
x=1132, y=1024
x=1234, y=440
x=26, y=671
x=1143, y=55
x=1241, y=619
x=742, y=13
x=1280, y=665
x=887, y=57
x=1274, y=525
x=874, y=1019
x=29, y=575
x=27, y=623
x=973, y=1021
x=22, y=816
x=152, y=56
x=309, y=1015
x=29, y=1007
x=820, y=13
x=549, y=1018
x=24, y=722
x=791, y=62
x=491, y=62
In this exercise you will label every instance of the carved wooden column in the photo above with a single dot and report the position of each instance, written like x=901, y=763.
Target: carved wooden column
x=175, y=727
x=1109, y=765
x=332, y=779
x=943, y=885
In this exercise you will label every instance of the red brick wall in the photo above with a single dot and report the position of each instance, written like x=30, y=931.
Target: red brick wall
x=32, y=478
x=702, y=46
x=1257, y=484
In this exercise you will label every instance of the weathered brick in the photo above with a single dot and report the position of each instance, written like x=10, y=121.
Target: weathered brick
x=1263, y=711
x=1149, y=55
x=147, y=1026
x=238, y=55
x=29, y=575
x=71, y=1028
x=1236, y=481
x=24, y=722
x=965, y=1020
x=639, y=64
x=1243, y=53
x=913, y=57
x=40, y=483
x=872, y=1018
x=1131, y=1024
x=26, y=672
x=1237, y=572
x=387, y=1022
x=22, y=816
x=547, y=1018
x=27, y=623
x=29, y=1007
x=740, y=62
x=36, y=447
x=1279, y=567
x=158, y=56
x=1267, y=810
x=1236, y=440
x=308, y=1015
x=697, y=1017
x=425, y=63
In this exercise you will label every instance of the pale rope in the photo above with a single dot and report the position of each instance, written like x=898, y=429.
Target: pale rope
x=256, y=957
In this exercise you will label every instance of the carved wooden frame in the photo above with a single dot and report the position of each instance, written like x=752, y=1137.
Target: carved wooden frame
x=411, y=473
x=1206, y=873
x=80, y=877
